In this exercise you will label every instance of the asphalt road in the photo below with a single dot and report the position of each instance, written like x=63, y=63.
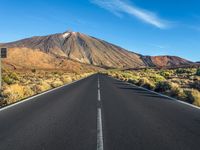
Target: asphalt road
x=100, y=115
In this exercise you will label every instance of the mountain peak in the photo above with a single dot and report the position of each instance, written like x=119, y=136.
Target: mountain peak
x=89, y=50
x=68, y=33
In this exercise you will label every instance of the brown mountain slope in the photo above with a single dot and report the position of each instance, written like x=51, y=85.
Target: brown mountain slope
x=26, y=59
x=163, y=61
x=84, y=49
x=166, y=61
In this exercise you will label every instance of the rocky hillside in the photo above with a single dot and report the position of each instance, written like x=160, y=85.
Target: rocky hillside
x=166, y=61
x=28, y=59
x=41, y=51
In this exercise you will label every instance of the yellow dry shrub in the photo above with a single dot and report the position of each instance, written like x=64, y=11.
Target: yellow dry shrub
x=86, y=74
x=66, y=79
x=145, y=82
x=28, y=91
x=41, y=87
x=56, y=83
x=14, y=93
x=175, y=89
x=195, y=95
x=78, y=77
x=177, y=92
x=45, y=86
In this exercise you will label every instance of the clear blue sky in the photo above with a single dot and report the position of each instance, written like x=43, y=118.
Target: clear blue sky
x=149, y=27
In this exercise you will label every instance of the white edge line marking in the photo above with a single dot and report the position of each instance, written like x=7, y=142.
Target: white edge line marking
x=179, y=101
x=99, y=130
x=31, y=98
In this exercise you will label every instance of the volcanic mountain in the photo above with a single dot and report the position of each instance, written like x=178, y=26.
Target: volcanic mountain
x=81, y=48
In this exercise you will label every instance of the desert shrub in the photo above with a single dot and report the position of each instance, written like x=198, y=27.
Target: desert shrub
x=119, y=76
x=66, y=79
x=196, y=84
x=16, y=92
x=180, y=94
x=28, y=91
x=133, y=79
x=198, y=72
x=37, y=89
x=126, y=74
x=183, y=70
x=193, y=96
x=8, y=80
x=165, y=74
x=163, y=86
x=177, y=92
x=56, y=83
x=74, y=78
x=45, y=86
x=13, y=93
x=41, y=87
x=21, y=85
x=146, y=83
x=14, y=76
x=33, y=70
x=3, y=102
x=78, y=77
x=157, y=78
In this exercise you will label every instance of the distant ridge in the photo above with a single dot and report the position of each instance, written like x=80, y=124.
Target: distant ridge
x=167, y=61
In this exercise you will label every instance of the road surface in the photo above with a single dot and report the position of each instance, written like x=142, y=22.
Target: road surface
x=100, y=113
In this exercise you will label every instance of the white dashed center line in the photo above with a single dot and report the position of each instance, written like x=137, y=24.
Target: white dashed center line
x=99, y=130
x=98, y=84
x=99, y=122
x=99, y=95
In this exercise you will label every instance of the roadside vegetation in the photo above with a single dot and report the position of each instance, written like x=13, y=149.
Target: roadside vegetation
x=182, y=84
x=18, y=85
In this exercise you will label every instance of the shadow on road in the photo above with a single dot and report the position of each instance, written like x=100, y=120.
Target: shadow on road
x=140, y=92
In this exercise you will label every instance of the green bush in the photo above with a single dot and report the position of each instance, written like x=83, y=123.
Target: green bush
x=7, y=80
x=33, y=70
x=196, y=85
x=183, y=70
x=14, y=76
x=133, y=80
x=163, y=86
x=165, y=74
x=198, y=72
x=157, y=78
